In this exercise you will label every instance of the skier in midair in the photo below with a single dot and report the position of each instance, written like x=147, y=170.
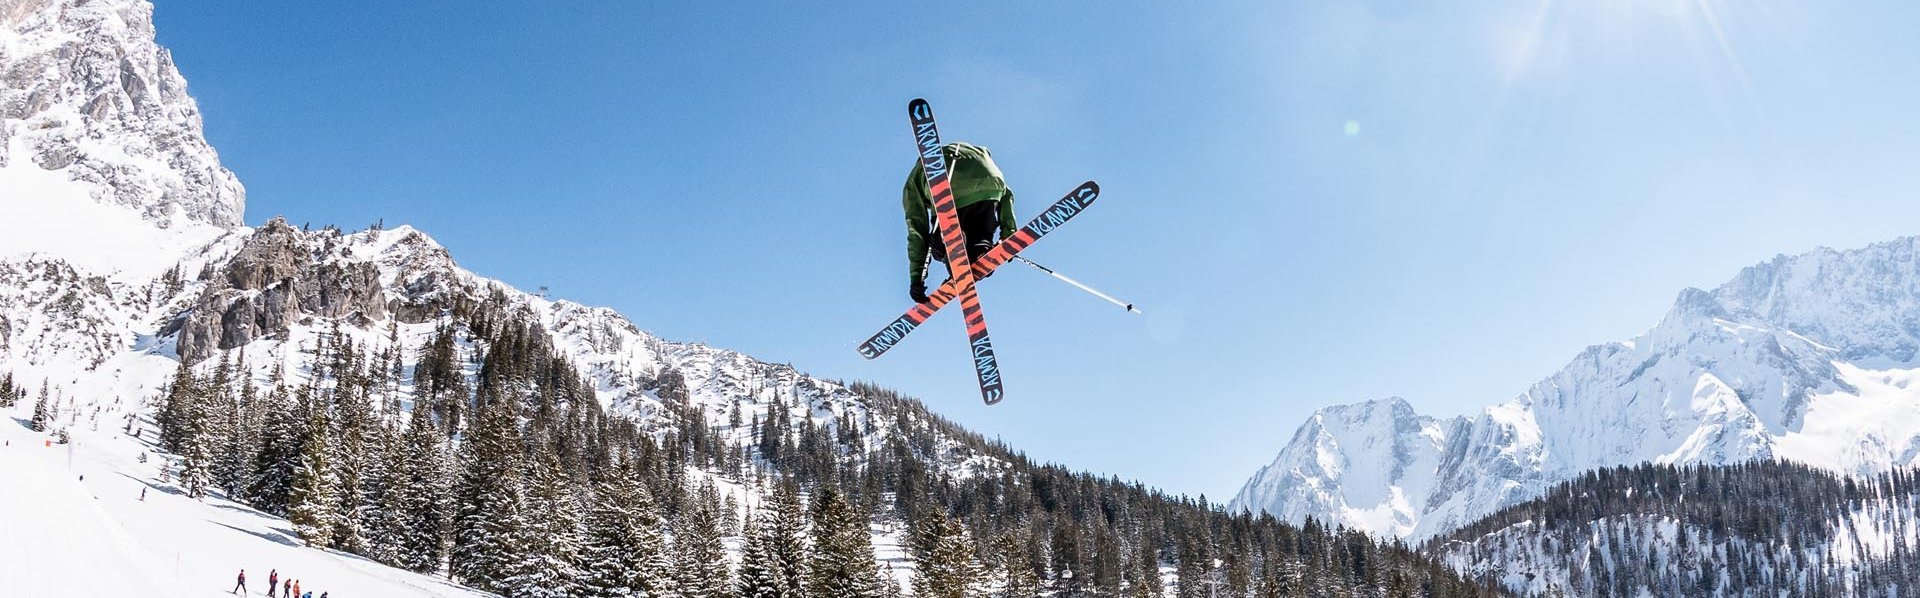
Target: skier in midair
x=980, y=195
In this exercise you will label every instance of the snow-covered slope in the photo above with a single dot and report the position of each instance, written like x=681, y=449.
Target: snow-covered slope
x=1810, y=358
x=91, y=519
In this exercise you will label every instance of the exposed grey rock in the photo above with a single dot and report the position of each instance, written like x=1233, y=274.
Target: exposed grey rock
x=87, y=90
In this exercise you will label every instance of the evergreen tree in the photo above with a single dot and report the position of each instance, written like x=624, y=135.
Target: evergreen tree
x=548, y=539
x=842, y=563
x=623, y=551
x=311, y=502
x=195, y=468
x=1146, y=582
x=1018, y=577
x=420, y=495
x=41, y=415
x=760, y=574
x=489, y=501
x=947, y=567
x=1195, y=570
x=179, y=415
x=277, y=454
x=785, y=526
x=702, y=557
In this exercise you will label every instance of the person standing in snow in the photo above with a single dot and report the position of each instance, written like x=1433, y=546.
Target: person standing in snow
x=981, y=196
x=296, y=588
x=240, y=586
x=273, y=579
x=286, y=589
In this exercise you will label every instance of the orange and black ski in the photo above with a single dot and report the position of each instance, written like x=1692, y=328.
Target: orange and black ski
x=933, y=160
x=1059, y=213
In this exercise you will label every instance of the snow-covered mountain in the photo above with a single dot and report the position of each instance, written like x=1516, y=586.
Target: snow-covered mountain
x=123, y=253
x=89, y=95
x=123, y=244
x=1810, y=358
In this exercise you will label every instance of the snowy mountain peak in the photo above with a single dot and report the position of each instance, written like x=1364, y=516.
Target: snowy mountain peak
x=91, y=98
x=1808, y=357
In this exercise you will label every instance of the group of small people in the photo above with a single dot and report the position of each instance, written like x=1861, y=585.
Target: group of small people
x=288, y=589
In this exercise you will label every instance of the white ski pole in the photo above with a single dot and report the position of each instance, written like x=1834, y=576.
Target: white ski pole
x=1082, y=287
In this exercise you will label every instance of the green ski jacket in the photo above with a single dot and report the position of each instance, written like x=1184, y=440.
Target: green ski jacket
x=974, y=178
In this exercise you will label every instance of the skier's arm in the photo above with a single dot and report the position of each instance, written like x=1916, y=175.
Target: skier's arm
x=913, y=201
x=1007, y=225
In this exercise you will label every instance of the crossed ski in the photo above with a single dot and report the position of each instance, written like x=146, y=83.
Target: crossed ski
x=933, y=162
x=1061, y=211
x=963, y=271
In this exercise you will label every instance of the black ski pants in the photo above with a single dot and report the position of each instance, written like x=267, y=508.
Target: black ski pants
x=978, y=221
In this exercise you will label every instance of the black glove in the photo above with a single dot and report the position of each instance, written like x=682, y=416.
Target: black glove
x=918, y=291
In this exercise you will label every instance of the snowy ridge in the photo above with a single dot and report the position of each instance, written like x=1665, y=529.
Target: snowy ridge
x=1809, y=358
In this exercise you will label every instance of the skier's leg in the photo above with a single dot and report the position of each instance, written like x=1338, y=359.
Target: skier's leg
x=979, y=221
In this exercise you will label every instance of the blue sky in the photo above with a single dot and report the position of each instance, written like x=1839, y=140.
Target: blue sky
x=1314, y=203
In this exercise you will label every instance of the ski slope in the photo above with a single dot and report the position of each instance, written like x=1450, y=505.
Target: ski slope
x=62, y=535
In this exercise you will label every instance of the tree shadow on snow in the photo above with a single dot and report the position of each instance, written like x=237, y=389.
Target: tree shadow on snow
x=271, y=536
x=169, y=489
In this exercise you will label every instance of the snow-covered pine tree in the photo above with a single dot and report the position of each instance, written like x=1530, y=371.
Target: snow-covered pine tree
x=623, y=550
x=1016, y=573
x=420, y=493
x=785, y=526
x=489, y=501
x=946, y=564
x=42, y=416
x=1195, y=570
x=1144, y=575
x=886, y=584
x=311, y=502
x=702, y=557
x=196, y=467
x=386, y=519
x=548, y=559
x=760, y=575
x=277, y=453
x=439, y=384
x=179, y=412
x=351, y=458
x=842, y=563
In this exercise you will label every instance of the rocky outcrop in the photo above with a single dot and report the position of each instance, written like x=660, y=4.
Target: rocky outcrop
x=280, y=277
x=85, y=90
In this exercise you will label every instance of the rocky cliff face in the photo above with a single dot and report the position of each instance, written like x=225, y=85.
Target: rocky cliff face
x=1810, y=358
x=281, y=276
x=85, y=91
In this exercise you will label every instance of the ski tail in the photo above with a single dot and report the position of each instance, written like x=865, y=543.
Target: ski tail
x=933, y=163
x=1055, y=215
